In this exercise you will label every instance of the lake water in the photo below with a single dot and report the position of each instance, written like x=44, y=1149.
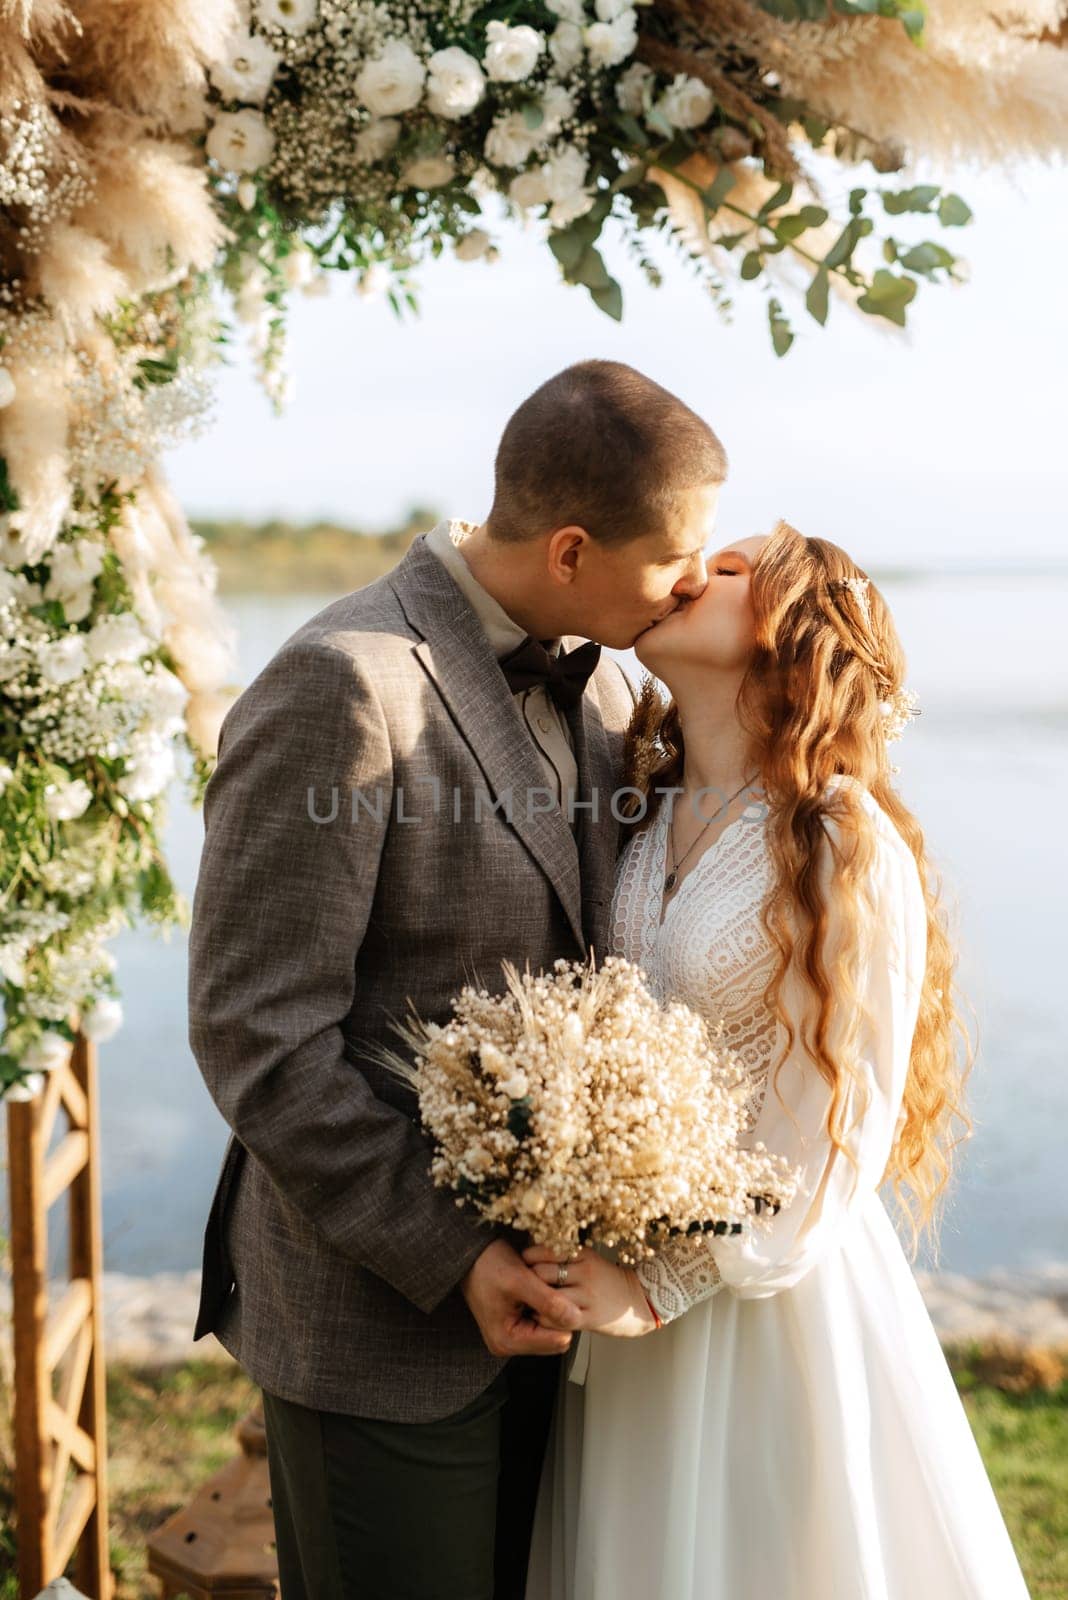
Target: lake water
x=986, y=768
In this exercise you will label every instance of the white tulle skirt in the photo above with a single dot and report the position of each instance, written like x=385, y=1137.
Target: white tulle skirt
x=809, y=1445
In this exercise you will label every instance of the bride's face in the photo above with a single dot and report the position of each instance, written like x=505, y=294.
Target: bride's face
x=717, y=629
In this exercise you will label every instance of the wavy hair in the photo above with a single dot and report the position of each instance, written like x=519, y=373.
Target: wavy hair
x=826, y=668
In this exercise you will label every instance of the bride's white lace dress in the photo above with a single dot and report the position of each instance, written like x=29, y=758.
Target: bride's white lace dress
x=793, y=1431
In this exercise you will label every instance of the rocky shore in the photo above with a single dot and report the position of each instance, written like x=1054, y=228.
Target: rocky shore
x=150, y=1320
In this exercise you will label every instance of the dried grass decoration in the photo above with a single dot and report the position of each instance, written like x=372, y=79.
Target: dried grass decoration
x=579, y=1109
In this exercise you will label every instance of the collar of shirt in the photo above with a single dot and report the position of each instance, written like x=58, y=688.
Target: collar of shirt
x=445, y=539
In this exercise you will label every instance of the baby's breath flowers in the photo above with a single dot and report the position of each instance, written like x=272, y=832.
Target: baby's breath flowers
x=577, y=1108
x=897, y=712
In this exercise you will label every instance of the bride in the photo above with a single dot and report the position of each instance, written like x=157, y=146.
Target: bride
x=769, y=1416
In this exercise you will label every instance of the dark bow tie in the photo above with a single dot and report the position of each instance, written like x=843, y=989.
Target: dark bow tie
x=565, y=676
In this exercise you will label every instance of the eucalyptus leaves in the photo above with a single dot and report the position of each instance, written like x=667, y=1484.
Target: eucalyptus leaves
x=385, y=131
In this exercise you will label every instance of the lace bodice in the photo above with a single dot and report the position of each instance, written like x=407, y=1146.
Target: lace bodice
x=712, y=952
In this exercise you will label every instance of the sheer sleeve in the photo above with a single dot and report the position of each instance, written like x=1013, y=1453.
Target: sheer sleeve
x=889, y=977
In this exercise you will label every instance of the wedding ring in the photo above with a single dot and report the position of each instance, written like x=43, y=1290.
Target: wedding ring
x=561, y=1274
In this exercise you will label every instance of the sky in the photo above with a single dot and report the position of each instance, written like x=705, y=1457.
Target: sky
x=943, y=446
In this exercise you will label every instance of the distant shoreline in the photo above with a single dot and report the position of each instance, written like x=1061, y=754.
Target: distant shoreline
x=150, y=1319
x=281, y=557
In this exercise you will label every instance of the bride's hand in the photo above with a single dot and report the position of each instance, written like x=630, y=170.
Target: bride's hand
x=610, y=1299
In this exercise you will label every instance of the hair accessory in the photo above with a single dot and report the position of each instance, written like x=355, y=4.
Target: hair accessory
x=858, y=588
x=898, y=711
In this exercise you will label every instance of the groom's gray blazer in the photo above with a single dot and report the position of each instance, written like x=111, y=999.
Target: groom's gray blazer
x=335, y=884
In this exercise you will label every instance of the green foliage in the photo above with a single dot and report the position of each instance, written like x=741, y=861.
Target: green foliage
x=775, y=227
x=582, y=263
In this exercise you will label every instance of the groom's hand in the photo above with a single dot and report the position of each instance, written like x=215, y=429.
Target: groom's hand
x=501, y=1292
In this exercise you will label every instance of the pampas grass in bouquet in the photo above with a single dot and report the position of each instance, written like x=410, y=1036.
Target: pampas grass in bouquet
x=578, y=1109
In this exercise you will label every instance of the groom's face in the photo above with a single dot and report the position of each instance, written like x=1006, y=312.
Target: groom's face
x=631, y=587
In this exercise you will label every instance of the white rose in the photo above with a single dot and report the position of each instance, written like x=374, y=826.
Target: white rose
x=570, y=207
x=12, y=964
x=528, y=189
x=511, y=52
x=557, y=105
x=117, y=637
x=240, y=141
x=16, y=586
x=609, y=10
x=472, y=245
x=65, y=801
x=167, y=695
x=7, y=388
x=46, y=1053
x=428, y=172
x=377, y=139
x=297, y=266
x=249, y=67
x=76, y=600
x=566, y=47
x=393, y=81
x=686, y=102
x=509, y=141
x=28, y=1089
x=609, y=43
x=70, y=564
x=103, y=1018
x=64, y=660
x=294, y=16
x=565, y=172
x=456, y=83
x=570, y=10
x=630, y=87
x=149, y=769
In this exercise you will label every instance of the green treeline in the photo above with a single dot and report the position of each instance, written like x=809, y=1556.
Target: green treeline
x=281, y=557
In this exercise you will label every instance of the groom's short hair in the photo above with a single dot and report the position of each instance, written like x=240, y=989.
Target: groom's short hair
x=600, y=445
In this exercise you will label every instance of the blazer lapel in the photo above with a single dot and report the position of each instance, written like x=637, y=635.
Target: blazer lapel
x=598, y=829
x=457, y=656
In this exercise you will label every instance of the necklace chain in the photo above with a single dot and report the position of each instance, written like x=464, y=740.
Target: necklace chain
x=673, y=876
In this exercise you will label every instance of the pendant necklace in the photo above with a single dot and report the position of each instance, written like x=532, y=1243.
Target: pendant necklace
x=673, y=876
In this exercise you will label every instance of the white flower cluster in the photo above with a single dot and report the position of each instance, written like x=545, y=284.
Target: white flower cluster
x=100, y=711
x=380, y=109
x=580, y=1110
x=95, y=691
x=117, y=428
x=897, y=712
x=40, y=182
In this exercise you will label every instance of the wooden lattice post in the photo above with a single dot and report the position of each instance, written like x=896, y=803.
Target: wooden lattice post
x=58, y=1431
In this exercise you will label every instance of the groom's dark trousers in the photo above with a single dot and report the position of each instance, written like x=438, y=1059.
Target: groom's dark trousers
x=372, y=1510
x=375, y=836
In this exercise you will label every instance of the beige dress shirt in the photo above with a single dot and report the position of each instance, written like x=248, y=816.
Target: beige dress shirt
x=545, y=721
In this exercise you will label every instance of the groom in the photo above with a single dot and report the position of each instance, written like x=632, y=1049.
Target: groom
x=419, y=784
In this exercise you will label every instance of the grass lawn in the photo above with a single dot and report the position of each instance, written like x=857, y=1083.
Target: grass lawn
x=169, y=1430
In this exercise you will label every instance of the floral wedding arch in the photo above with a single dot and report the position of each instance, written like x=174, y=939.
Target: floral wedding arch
x=168, y=168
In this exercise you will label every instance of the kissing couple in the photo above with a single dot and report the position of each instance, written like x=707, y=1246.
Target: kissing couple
x=451, y=1412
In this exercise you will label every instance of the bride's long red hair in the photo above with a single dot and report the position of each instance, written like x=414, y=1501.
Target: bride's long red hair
x=827, y=662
